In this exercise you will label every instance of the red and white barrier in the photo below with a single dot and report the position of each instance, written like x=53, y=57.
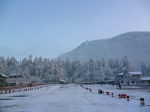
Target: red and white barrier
x=90, y=90
x=122, y=96
x=107, y=93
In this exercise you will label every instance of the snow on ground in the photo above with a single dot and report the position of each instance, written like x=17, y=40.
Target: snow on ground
x=73, y=98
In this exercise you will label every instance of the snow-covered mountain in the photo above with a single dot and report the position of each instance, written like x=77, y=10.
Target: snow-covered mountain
x=136, y=45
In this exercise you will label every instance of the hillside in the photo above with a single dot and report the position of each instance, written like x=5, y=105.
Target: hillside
x=136, y=45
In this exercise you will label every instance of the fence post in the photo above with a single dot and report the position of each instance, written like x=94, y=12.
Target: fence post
x=128, y=98
x=102, y=92
x=119, y=96
x=142, y=101
x=99, y=91
x=90, y=90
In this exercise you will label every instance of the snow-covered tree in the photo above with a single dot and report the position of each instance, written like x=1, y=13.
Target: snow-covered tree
x=13, y=61
x=126, y=70
x=1, y=64
x=97, y=72
x=111, y=63
x=60, y=70
x=35, y=62
x=102, y=73
x=53, y=67
x=148, y=71
x=26, y=73
x=30, y=61
x=144, y=69
x=103, y=63
x=68, y=67
x=24, y=63
x=75, y=70
x=90, y=66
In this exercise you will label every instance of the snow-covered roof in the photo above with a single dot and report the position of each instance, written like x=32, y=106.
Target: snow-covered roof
x=120, y=74
x=3, y=75
x=145, y=78
x=135, y=73
x=132, y=73
x=13, y=74
x=62, y=81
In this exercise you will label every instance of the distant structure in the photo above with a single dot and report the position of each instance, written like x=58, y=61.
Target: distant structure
x=15, y=79
x=63, y=82
x=3, y=80
x=135, y=79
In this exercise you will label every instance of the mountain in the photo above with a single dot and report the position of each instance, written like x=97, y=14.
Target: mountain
x=136, y=45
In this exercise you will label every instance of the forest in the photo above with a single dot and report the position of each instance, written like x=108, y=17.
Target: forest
x=54, y=70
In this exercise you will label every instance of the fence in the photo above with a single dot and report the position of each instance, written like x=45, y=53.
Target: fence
x=120, y=96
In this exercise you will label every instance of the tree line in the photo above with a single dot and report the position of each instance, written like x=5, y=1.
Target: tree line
x=54, y=70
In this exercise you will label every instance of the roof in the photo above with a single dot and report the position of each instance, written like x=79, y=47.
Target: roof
x=145, y=78
x=3, y=75
x=62, y=81
x=132, y=73
x=13, y=74
x=120, y=74
x=135, y=73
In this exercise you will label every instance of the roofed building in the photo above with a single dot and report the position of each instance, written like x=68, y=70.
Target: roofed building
x=135, y=79
x=3, y=80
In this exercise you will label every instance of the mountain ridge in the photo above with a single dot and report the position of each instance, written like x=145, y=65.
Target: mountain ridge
x=136, y=45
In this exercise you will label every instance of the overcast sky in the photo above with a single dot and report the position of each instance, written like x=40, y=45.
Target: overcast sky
x=49, y=28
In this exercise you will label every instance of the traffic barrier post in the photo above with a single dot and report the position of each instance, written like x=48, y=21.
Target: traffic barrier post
x=128, y=98
x=119, y=96
x=90, y=90
x=102, y=92
x=142, y=101
x=99, y=91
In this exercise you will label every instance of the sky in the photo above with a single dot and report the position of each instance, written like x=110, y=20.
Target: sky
x=49, y=28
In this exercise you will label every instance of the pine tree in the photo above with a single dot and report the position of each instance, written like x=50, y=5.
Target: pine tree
x=144, y=69
x=126, y=70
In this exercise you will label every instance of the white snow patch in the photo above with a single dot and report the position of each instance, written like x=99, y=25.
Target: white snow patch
x=73, y=98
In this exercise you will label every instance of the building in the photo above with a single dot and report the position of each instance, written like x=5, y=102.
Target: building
x=135, y=79
x=145, y=80
x=63, y=82
x=15, y=79
x=3, y=80
x=11, y=81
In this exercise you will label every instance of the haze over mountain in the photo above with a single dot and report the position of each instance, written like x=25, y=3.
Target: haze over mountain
x=136, y=45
